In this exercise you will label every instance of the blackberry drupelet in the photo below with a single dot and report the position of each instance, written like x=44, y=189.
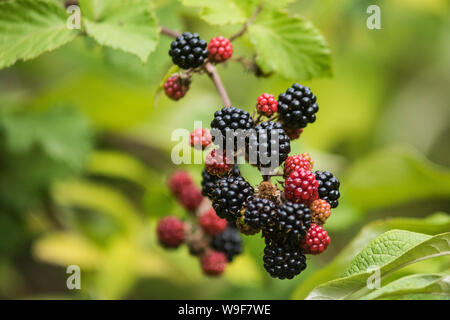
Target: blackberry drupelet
x=293, y=220
x=266, y=141
x=209, y=181
x=328, y=187
x=233, y=120
x=283, y=261
x=297, y=106
x=228, y=242
x=229, y=197
x=260, y=213
x=188, y=50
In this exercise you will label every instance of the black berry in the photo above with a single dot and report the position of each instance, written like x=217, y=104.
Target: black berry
x=297, y=107
x=188, y=50
x=293, y=220
x=229, y=197
x=209, y=181
x=228, y=242
x=260, y=213
x=268, y=140
x=328, y=187
x=283, y=261
x=235, y=121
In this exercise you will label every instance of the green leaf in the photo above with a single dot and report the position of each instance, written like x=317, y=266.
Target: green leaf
x=414, y=284
x=389, y=252
x=127, y=25
x=393, y=176
x=434, y=224
x=224, y=11
x=62, y=133
x=290, y=46
x=28, y=28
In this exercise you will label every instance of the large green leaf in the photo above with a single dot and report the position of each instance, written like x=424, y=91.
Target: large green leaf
x=413, y=284
x=127, y=25
x=224, y=11
x=389, y=252
x=434, y=224
x=29, y=28
x=290, y=46
x=393, y=176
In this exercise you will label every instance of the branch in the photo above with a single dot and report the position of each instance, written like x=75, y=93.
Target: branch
x=210, y=69
x=212, y=72
x=247, y=24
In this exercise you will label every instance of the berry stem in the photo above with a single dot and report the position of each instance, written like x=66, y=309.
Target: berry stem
x=247, y=24
x=210, y=69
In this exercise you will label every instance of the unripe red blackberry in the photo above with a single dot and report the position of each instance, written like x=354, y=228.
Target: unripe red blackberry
x=328, y=187
x=306, y=156
x=220, y=49
x=316, y=240
x=283, y=261
x=229, y=197
x=209, y=180
x=297, y=106
x=267, y=145
x=260, y=213
x=175, y=87
x=228, y=242
x=190, y=197
x=170, y=232
x=178, y=181
x=296, y=162
x=293, y=220
x=213, y=263
x=217, y=163
x=188, y=50
x=320, y=211
x=211, y=223
x=301, y=186
x=200, y=138
x=266, y=104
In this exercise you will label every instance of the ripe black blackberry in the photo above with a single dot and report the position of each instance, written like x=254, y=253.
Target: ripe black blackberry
x=233, y=120
x=228, y=242
x=268, y=140
x=260, y=213
x=283, y=261
x=188, y=50
x=209, y=181
x=297, y=107
x=229, y=197
x=293, y=220
x=328, y=187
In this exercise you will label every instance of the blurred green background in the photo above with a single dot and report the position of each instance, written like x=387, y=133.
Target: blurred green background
x=85, y=154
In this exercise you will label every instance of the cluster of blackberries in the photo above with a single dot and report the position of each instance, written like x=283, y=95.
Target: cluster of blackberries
x=289, y=218
x=212, y=239
x=188, y=51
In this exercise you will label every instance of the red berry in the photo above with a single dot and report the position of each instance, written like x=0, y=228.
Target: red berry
x=316, y=240
x=296, y=162
x=214, y=263
x=267, y=104
x=211, y=223
x=301, y=186
x=190, y=197
x=217, y=163
x=175, y=87
x=200, y=138
x=178, y=181
x=293, y=133
x=170, y=232
x=220, y=49
x=306, y=156
x=320, y=211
